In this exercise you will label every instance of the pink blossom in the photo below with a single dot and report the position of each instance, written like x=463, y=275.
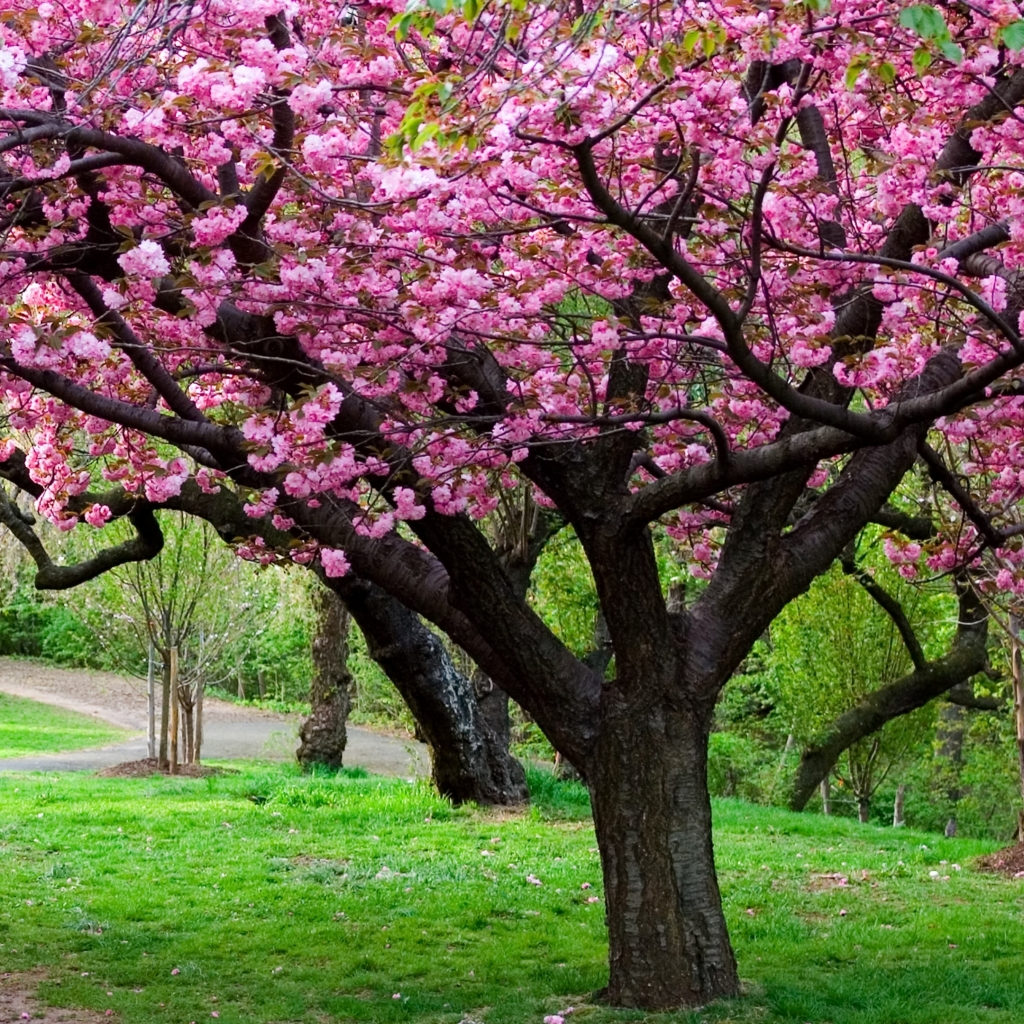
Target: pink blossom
x=146, y=260
x=85, y=345
x=334, y=562
x=218, y=224
x=97, y=515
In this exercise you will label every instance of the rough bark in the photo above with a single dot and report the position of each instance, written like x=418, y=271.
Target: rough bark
x=669, y=945
x=322, y=737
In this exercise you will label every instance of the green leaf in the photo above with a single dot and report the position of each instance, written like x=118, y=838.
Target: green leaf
x=401, y=25
x=425, y=134
x=922, y=60
x=1013, y=35
x=951, y=51
x=887, y=73
x=925, y=21
x=857, y=65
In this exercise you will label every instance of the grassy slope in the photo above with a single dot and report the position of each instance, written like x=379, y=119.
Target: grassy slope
x=28, y=727
x=328, y=897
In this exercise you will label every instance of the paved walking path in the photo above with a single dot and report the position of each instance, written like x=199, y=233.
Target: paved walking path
x=229, y=731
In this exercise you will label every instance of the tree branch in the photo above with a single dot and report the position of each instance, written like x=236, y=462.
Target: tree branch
x=966, y=657
x=889, y=605
x=143, y=359
x=225, y=441
x=912, y=527
x=147, y=544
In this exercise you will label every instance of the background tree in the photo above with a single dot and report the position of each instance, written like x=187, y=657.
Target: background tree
x=831, y=650
x=190, y=599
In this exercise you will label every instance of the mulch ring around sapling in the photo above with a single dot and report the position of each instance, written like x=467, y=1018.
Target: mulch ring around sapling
x=1009, y=862
x=150, y=766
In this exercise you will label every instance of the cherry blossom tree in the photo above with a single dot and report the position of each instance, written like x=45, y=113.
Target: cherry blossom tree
x=727, y=268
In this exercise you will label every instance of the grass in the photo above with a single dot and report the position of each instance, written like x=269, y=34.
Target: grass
x=28, y=727
x=267, y=897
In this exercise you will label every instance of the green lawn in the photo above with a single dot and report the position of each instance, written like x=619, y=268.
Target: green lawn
x=28, y=727
x=266, y=897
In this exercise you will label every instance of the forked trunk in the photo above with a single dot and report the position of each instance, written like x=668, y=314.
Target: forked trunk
x=668, y=941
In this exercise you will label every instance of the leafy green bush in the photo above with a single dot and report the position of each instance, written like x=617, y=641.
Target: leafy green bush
x=66, y=640
x=743, y=766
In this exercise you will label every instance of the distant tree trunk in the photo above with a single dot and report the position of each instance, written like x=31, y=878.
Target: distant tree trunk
x=864, y=810
x=151, y=744
x=200, y=693
x=951, y=728
x=470, y=759
x=898, y=820
x=323, y=736
x=173, y=675
x=187, y=726
x=826, y=796
x=165, y=707
x=1018, y=709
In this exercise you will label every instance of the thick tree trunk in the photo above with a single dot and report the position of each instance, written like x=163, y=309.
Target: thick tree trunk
x=668, y=941
x=470, y=759
x=492, y=701
x=323, y=736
